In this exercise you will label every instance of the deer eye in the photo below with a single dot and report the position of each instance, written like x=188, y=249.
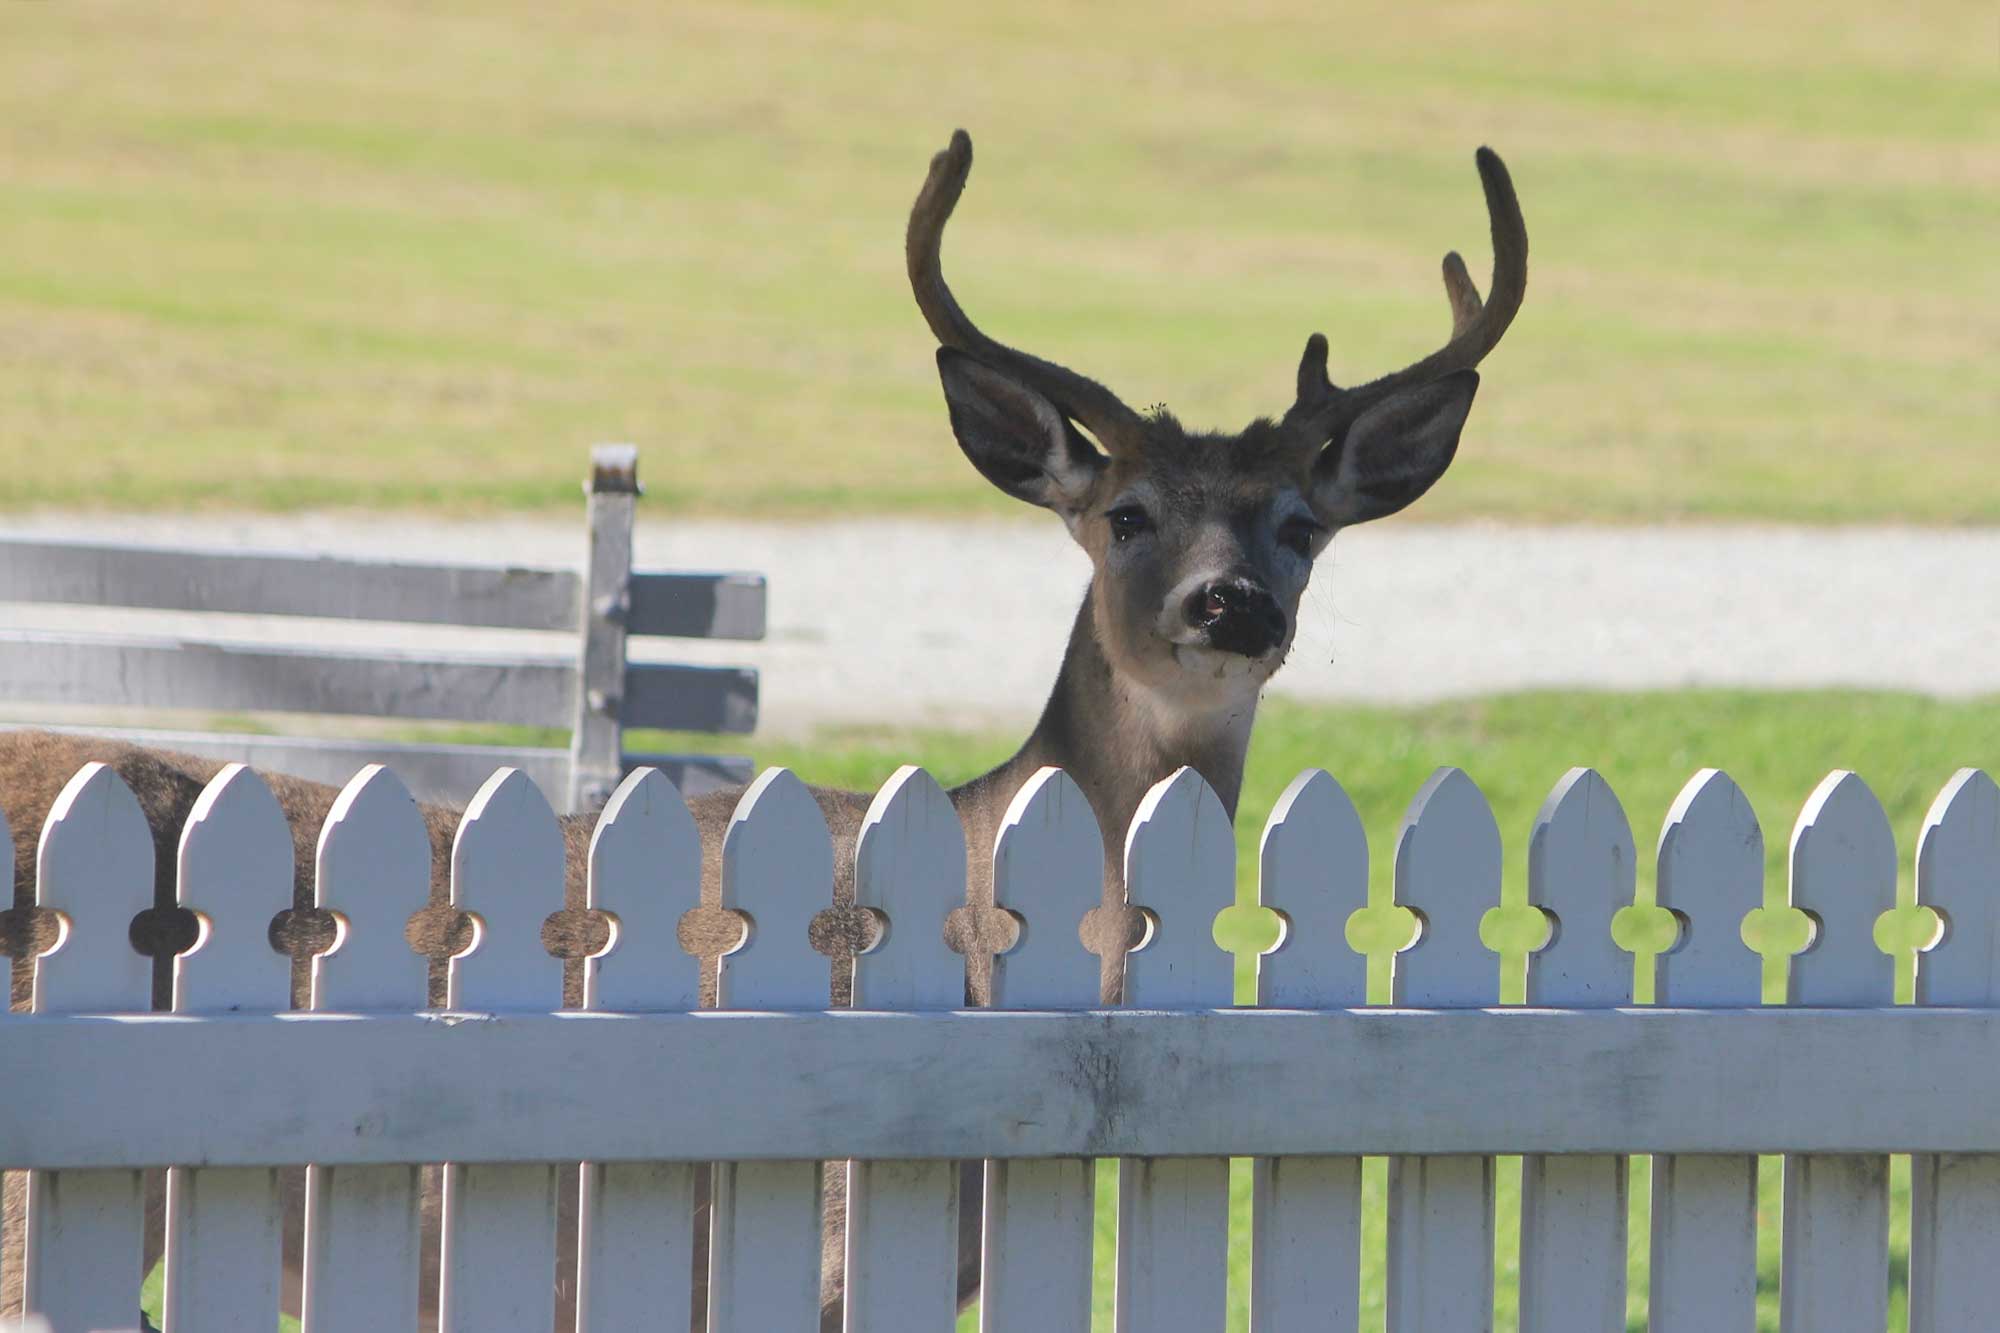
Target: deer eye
x=1128, y=522
x=1297, y=534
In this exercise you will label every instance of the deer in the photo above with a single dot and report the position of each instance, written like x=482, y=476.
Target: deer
x=1201, y=544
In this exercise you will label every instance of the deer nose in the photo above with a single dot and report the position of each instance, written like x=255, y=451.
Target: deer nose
x=1239, y=616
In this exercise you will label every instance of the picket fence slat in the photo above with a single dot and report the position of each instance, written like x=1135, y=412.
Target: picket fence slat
x=373, y=867
x=636, y=1219
x=1834, y=1274
x=777, y=865
x=499, y=1245
x=224, y=1224
x=94, y=864
x=1441, y=1208
x=902, y=1217
x=155, y=672
x=1173, y=1213
x=1573, y=1207
x=1305, y=1249
x=1040, y=1214
x=1703, y=1264
x=1955, y=1197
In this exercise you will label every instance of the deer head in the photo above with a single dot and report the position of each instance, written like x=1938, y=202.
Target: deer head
x=1202, y=542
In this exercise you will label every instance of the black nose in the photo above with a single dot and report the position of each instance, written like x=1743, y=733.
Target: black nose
x=1238, y=615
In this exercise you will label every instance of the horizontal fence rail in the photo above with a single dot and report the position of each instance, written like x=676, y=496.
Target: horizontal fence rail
x=664, y=1104
x=169, y=673
x=680, y=604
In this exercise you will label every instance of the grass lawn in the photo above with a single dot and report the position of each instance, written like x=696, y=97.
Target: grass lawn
x=379, y=254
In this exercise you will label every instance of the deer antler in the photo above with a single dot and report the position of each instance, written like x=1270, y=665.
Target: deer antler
x=1117, y=427
x=1475, y=327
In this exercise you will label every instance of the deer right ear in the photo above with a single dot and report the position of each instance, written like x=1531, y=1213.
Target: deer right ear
x=1016, y=437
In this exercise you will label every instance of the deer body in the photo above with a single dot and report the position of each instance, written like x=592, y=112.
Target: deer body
x=1200, y=544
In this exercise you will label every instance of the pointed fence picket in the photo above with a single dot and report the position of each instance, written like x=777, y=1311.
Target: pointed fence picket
x=902, y=1217
x=373, y=867
x=1305, y=1248
x=499, y=1244
x=777, y=866
x=1580, y=872
x=1703, y=1265
x=1441, y=1208
x=224, y=1226
x=1040, y=1213
x=636, y=1219
x=1173, y=1212
x=1834, y=1275
x=1955, y=1197
x=94, y=864
x=870, y=1082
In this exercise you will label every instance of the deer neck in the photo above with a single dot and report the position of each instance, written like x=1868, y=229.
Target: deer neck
x=1116, y=738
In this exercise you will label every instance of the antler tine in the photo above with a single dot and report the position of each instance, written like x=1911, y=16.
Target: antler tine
x=1476, y=327
x=1116, y=426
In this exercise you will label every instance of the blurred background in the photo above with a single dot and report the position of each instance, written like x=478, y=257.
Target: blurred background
x=386, y=270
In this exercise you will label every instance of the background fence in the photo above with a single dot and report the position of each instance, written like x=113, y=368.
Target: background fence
x=1307, y=1082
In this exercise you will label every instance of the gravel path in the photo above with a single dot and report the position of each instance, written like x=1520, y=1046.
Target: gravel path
x=962, y=623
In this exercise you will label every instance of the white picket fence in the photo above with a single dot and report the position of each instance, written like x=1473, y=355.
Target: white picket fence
x=1307, y=1082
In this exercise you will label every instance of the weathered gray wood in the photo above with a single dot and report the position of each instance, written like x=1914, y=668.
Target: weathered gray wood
x=636, y=1253
x=362, y=1088
x=272, y=584
x=373, y=867
x=1173, y=1213
x=1955, y=1198
x=499, y=1219
x=1580, y=872
x=687, y=605
x=1305, y=1250
x=223, y=1223
x=448, y=773
x=764, y=1250
x=690, y=698
x=1035, y=1254
x=1441, y=1208
x=95, y=865
x=596, y=738
x=1704, y=1242
x=693, y=605
x=1834, y=1275
x=902, y=1217
x=148, y=672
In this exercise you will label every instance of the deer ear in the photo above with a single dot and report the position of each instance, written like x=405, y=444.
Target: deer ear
x=1393, y=451
x=1016, y=437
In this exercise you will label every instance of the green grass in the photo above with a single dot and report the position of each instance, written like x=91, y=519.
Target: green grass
x=1776, y=745
x=391, y=255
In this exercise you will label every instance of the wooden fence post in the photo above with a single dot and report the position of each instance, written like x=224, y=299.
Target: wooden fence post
x=597, y=737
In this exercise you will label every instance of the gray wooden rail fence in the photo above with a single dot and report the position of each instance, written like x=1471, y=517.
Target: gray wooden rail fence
x=593, y=691
x=648, y=1092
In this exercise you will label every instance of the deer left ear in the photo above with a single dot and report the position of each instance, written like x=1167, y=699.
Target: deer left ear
x=1393, y=451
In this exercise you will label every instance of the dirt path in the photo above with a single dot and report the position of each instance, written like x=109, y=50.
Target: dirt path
x=962, y=623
